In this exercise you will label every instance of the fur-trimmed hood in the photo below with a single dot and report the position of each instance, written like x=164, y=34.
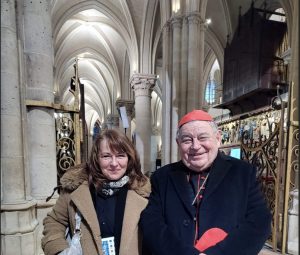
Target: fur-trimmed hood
x=73, y=178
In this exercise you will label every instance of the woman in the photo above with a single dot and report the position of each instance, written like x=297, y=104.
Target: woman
x=109, y=191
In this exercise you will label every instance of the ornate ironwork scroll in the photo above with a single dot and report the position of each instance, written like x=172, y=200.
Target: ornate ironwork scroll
x=258, y=137
x=294, y=162
x=65, y=144
x=68, y=130
x=292, y=169
x=262, y=150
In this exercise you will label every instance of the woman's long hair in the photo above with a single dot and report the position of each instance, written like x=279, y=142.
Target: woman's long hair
x=118, y=143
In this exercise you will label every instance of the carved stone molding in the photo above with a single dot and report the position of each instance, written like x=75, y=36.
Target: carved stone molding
x=142, y=84
x=22, y=215
x=176, y=22
x=112, y=120
x=129, y=104
x=185, y=20
x=195, y=18
x=156, y=130
x=166, y=27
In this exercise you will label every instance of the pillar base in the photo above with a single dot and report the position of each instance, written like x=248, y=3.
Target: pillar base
x=22, y=226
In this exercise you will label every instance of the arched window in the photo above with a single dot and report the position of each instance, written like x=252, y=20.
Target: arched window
x=96, y=129
x=213, y=86
x=210, y=94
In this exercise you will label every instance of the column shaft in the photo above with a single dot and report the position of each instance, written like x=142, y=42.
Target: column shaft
x=176, y=88
x=39, y=66
x=12, y=166
x=38, y=55
x=18, y=212
x=166, y=100
x=201, y=84
x=143, y=86
x=194, y=74
x=184, y=68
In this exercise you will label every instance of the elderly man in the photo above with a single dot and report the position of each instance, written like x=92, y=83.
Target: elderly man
x=207, y=203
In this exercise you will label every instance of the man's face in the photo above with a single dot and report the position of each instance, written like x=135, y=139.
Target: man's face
x=198, y=145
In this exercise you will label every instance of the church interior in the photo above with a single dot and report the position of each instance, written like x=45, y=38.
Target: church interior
x=71, y=68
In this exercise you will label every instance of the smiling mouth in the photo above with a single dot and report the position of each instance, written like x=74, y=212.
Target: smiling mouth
x=196, y=156
x=114, y=171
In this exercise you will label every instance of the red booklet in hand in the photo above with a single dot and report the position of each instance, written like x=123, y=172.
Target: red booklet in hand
x=210, y=238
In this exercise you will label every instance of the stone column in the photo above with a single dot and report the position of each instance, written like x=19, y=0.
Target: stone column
x=38, y=51
x=38, y=54
x=13, y=177
x=18, y=221
x=201, y=84
x=143, y=84
x=194, y=72
x=166, y=100
x=129, y=105
x=184, y=68
x=176, y=88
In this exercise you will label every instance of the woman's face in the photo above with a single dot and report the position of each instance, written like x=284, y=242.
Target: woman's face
x=112, y=164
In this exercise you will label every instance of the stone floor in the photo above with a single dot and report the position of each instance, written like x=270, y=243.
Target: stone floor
x=269, y=251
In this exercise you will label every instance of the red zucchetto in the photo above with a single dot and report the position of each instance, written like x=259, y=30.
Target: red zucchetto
x=195, y=115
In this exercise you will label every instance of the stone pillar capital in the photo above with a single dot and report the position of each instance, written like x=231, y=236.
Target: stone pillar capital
x=129, y=104
x=195, y=18
x=185, y=20
x=142, y=84
x=112, y=120
x=166, y=27
x=176, y=22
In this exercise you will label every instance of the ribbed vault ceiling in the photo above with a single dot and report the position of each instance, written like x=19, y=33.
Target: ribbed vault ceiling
x=107, y=36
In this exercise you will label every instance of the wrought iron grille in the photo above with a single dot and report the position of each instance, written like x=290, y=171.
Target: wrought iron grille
x=65, y=142
x=258, y=137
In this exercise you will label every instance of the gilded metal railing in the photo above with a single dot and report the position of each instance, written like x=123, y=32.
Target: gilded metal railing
x=65, y=142
x=264, y=152
x=69, y=131
x=260, y=136
x=292, y=166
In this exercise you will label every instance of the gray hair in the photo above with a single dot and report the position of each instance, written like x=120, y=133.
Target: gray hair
x=213, y=125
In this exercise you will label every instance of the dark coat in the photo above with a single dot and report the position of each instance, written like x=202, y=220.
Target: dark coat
x=232, y=201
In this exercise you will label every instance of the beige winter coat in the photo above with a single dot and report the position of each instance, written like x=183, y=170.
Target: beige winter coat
x=75, y=193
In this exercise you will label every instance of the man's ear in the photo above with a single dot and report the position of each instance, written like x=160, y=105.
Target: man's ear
x=219, y=137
